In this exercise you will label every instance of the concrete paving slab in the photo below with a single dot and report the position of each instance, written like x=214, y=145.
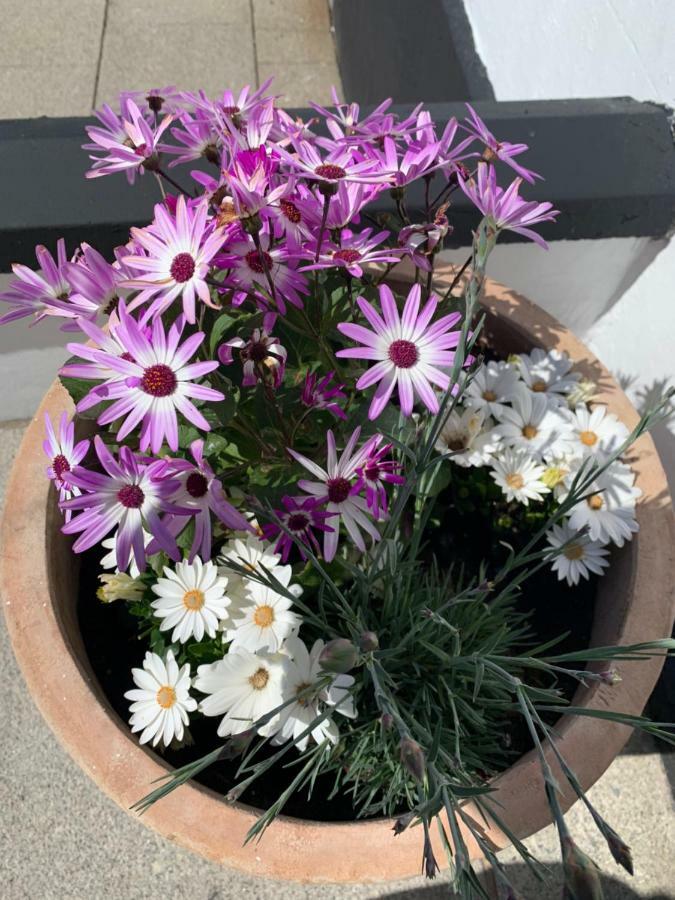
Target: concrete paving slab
x=61, y=839
x=277, y=47
x=298, y=84
x=292, y=14
x=138, y=55
x=49, y=57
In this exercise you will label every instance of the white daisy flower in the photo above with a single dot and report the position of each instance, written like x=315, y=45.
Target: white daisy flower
x=608, y=509
x=494, y=385
x=519, y=476
x=580, y=556
x=596, y=432
x=548, y=372
x=161, y=699
x=532, y=424
x=468, y=436
x=305, y=671
x=263, y=619
x=251, y=553
x=582, y=392
x=191, y=600
x=244, y=686
x=556, y=471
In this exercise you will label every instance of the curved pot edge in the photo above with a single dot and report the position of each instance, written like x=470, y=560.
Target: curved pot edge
x=291, y=836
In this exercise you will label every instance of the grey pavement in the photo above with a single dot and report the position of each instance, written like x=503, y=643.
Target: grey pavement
x=62, y=839
x=63, y=58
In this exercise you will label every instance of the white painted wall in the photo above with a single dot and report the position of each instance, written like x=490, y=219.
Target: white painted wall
x=536, y=50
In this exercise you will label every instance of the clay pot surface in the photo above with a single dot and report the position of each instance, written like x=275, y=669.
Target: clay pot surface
x=39, y=584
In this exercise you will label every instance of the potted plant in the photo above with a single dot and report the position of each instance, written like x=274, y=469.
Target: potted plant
x=362, y=527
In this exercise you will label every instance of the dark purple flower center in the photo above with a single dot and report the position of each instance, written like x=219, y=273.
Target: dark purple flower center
x=128, y=357
x=231, y=110
x=403, y=354
x=196, y=485
x=290, y=211
x=131, y=496
x=330, y=172
x=182, y=267
x=347, y=255
x=141, y=150
x=258, y=352
x=60, y=465
x=159, y=381
x=338, y=489
x=298, y=522
x=257, y=263
x=372, y=472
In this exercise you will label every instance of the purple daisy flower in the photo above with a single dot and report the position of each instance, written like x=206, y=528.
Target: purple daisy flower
x=495, y=149
x=64, y=454
x=262, y=356
x=130, y=142
x=180, y=249
x=322, y=394
x=375, y=472
x=198, y=138
x=31, y=294
x=508, y=211
x=156, y=381
x=250, y=268
x=129, y=497
x=336, y=487
x=353, y=252
x=301, y=516
x=200, y=493
x=337, y=166
x=407, y=350
x=94, y=282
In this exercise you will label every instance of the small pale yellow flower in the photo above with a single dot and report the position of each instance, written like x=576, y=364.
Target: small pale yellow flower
x=119, y=586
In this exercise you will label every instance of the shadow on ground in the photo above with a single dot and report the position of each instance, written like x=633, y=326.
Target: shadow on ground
x=529, y=888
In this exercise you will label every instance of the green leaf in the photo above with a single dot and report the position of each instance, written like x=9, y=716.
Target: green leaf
x=223, y=324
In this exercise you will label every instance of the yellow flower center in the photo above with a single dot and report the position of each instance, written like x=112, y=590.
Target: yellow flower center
x=263, y=616
x=530, y=431
x=574, y=551
x=193, y=600
x=539, y=386
x=553, y=476
x=166, y=697
x=259, y=679
x=515, y=480
x=303, y=701
x=594, y=501
x=490, y=396
x=588, y=438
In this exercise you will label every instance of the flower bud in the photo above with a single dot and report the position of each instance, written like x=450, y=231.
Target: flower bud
x=412, y=757
x=582, y=881
x=620, y=851
x=368, y=642
x=610, y=676
x=339, y=656
x=237, y=744
x=386, y=721
x=402, y=822
x=119, y=586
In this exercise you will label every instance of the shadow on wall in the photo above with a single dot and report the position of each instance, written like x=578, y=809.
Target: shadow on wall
x=663, y=432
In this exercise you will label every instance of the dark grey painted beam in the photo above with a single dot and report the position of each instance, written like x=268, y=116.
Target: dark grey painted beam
x=411, y=51
x=609, y=167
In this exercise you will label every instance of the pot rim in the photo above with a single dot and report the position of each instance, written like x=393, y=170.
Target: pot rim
x=640, y=608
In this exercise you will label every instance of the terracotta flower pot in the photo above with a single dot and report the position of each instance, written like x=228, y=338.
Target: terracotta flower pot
x=39, y=581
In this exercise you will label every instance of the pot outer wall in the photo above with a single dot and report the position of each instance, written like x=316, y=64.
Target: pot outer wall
x=39, y=578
